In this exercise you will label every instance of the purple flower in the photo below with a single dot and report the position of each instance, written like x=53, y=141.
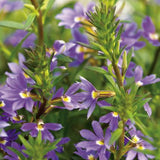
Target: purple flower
x=17, y=36
x=145, y=81
x=72, y=17
x=18, y=93
x=3, y=124
x=7, y=140
x=52, y=154
x=34, y=128
x=6, y=106
x=69, y=99
x=112, y=119
x=90, y=97
x=149, y=31
x=96, y=141
x=86, y=155
x=18, y=69
x=139, y=144
x=8, y=6
x=130, y=36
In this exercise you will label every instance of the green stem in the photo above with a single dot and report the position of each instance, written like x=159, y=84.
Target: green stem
x=40, y=24
x=118, y=74
x=121, y=144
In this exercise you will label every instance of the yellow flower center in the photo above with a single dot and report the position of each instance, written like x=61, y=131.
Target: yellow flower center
x=154, y=36
x=100, y=142
x=91, y=157
x=140, y=146
x=114, y=114
x=94, y=94
x=135, y=139
x=2, y=104
x=139, y=83
x=40, y=125
x=17, y=118
x=3, y=141
x=79, y=19
x=81, y=49
x=66, y=98
x=50, y=50
x=24, y=94
x=26, y=76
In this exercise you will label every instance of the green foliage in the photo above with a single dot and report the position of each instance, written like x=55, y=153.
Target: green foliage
x=115, y=135
x=107, y=38
x=36, y=148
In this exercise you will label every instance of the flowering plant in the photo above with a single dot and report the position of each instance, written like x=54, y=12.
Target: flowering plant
x=84, y=98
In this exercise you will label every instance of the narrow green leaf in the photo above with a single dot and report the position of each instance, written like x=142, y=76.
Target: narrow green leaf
x=29, y=20
x=115, y=135
x=39, y=138
x=97, y=69
x=25, y=143
x=29, y=73
x=109, y=108
x=64, y=58
x=11, y=24
x=47, y=5
x=58, y=79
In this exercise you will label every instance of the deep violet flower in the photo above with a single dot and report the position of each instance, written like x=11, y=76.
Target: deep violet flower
x=52, y=154
x=17, y=36
x=18, y=93
x=112, y=119
x=34, y=128
x=91, y=95
x=96, y=141
x=6, y=141
x=145, y=81
x=149, y=31
x=13, y=156
x=72, y=17
x=8, y=5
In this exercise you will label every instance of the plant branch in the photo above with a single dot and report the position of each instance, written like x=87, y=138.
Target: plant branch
x=118, y=74
x=40, y=24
